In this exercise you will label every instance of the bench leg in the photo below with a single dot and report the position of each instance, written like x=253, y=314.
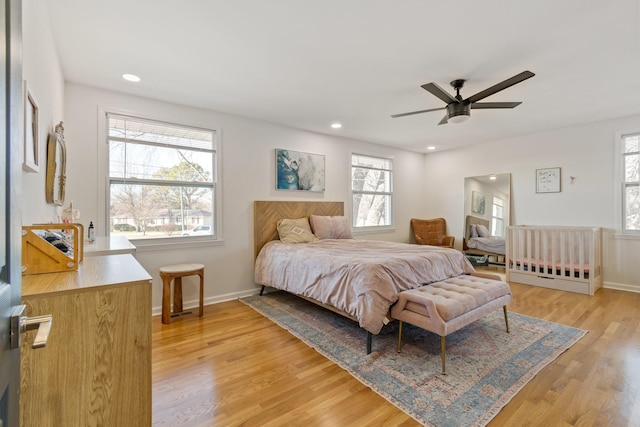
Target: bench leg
x=443, y=340
x=506, y=319
x=399, y=335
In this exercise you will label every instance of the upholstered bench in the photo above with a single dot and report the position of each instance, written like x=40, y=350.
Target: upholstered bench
x=446, y=306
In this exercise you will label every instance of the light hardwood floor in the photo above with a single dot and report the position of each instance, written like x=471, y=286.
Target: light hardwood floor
x=235, y=367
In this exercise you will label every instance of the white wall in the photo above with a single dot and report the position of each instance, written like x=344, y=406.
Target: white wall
x=586, y=152
x=248, y=174
x=41, y=70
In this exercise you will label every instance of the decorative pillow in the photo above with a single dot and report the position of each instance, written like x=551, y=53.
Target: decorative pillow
x=330, y=227
x=295, y=230
x=474, y=230
x=483, y=231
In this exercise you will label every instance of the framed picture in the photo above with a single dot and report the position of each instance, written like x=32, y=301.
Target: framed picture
x=477, y=202
x=31, y=156
x=548, y=180
x=299, y=171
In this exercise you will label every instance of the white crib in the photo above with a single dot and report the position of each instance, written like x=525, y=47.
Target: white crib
x=565, y=258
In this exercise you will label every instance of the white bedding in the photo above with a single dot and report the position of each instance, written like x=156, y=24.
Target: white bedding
x=496, y=245
x=359, y=277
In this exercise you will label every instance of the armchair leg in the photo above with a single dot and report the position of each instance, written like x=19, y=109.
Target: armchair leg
x=399, y=335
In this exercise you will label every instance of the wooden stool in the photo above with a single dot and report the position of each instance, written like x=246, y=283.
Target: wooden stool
x=176, y=272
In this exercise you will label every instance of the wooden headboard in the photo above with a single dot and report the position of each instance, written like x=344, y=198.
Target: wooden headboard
x=473, y=220
x=267, y=213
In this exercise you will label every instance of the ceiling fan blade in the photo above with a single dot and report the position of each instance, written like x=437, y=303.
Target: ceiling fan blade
x=485, y=105
x=444, y=120
x=436, y=90
x=500, y=86
x=416, y=112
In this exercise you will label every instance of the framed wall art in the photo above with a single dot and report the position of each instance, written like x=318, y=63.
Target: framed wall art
x=31, y=150
x=299, y=171
x=477, y=202
x=548, y=180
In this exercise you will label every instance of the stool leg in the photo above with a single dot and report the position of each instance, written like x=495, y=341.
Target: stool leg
x=177, y=295
x=166, y=300
x=201, y=293
x=442, y=351
x=399, y=335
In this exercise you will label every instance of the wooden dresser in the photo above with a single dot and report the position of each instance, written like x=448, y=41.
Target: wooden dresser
x=96, y=367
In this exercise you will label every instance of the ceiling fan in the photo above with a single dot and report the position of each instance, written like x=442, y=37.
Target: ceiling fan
x=458, y=109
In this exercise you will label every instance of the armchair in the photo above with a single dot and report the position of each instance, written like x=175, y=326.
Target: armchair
x=431, y=232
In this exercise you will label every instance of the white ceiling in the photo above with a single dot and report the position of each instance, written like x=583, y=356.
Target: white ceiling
x=308, y=63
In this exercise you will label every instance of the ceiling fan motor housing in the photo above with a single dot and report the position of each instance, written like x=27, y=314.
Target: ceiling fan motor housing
x=459, y=109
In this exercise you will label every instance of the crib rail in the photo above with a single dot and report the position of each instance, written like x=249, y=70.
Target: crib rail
x=567, y=258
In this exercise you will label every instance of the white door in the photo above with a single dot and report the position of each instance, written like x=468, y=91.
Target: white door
x=10, y=222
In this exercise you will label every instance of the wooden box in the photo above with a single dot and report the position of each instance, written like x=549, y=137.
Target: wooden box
x=40, y=256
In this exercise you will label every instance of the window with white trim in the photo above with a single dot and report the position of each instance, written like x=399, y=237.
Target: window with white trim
x=631, y=183
x=497, y=217
x=371, y=190
x=162, y=179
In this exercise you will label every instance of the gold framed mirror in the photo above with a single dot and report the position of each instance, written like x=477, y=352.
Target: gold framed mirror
x=56, y=166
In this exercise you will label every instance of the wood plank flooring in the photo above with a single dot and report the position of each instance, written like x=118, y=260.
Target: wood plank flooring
x=235, y=367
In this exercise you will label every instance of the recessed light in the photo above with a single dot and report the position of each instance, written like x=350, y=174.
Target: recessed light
x=336, y=125
x=431, y=147
x=131, y=77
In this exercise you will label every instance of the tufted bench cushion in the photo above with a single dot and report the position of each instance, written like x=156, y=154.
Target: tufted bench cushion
x=446, y=306
x=454, y=297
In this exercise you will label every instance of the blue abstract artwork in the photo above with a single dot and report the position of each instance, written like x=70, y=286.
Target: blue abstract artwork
x=299, y=171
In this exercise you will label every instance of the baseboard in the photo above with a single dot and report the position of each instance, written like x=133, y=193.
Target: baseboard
x=621, y=287
x=191, y=304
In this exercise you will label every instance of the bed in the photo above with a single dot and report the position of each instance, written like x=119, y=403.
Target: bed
x=473, y=244
x=359, y=279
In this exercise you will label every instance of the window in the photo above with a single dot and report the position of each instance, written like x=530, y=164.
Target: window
x=371, y=189
x=162, y=179
x=497, y=217
x=631, y=183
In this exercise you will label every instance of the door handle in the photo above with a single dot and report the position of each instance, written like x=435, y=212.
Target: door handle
x=21, y=324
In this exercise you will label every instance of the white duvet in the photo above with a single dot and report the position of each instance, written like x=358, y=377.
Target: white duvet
x=495, y=245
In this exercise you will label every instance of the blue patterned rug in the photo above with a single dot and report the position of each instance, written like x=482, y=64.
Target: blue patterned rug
x=486, y=367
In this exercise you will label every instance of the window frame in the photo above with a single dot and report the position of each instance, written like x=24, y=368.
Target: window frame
x=104, y=195
x=622, y=184
x=495, y=219
x=372, y=228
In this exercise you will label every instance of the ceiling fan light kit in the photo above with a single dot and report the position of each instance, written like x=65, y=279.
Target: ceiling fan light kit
x=458, y=113
x=459, y=109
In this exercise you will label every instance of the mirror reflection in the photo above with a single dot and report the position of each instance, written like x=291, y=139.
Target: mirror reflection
x=487, y=213
x=56, y=166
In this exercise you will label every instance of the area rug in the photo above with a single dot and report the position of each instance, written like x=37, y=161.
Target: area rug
x=486, y=366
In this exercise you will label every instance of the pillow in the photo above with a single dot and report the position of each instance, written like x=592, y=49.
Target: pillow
x=295, y=230
x=483, y=231
x=330, y=227
x=474, y=230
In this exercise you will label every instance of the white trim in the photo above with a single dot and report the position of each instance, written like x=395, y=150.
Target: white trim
x=194, y=304
x=621, y=287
